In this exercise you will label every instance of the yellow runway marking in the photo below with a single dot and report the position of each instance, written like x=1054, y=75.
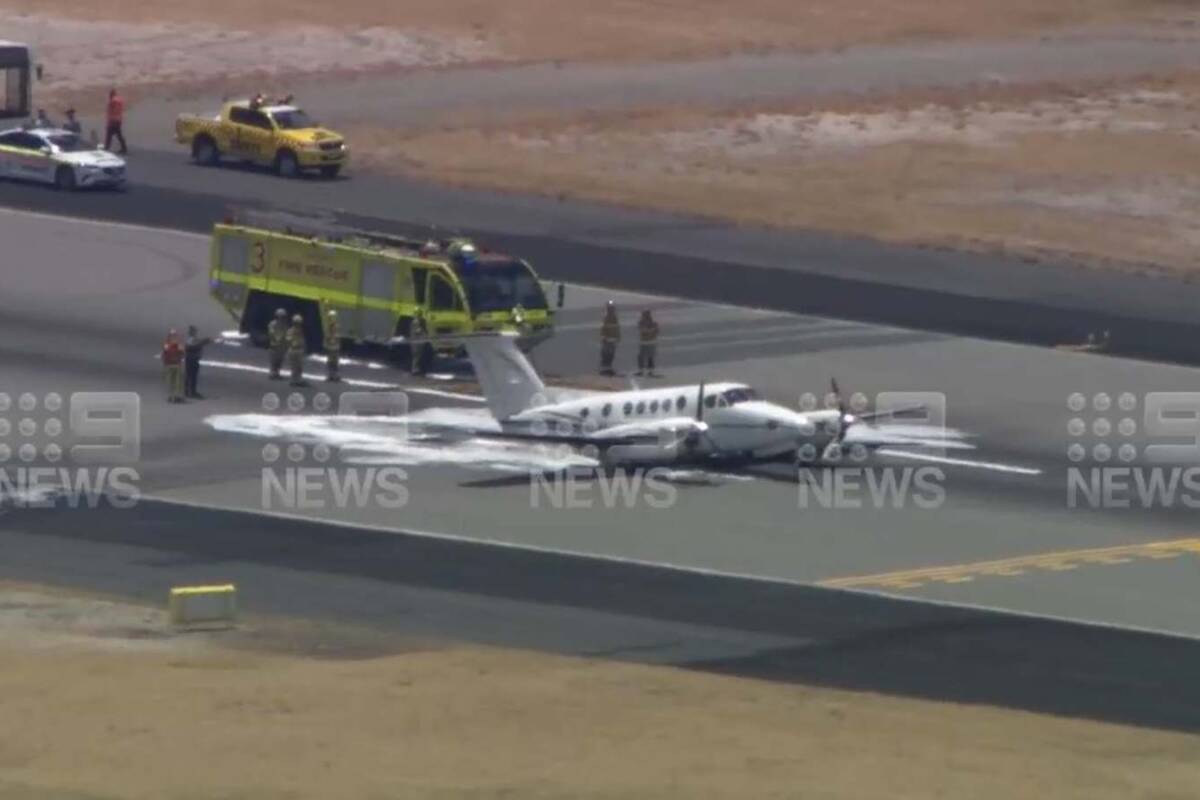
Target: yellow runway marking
x=1007, y=567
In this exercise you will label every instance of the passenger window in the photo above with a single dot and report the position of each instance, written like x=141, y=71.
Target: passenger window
x=628, y=409
x=442, y=296
x=721, y=402
x=259, y=120
x=604, y=412
x=583, y=414
x=239, y=115
x=710, y=401
x=641, y=407
x=654, y=407
x=681, y=402
x=24, y=141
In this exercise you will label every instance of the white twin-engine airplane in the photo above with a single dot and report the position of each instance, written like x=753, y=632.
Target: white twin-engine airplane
x=700, y=423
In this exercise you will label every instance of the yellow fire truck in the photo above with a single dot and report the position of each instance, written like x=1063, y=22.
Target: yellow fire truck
x=387, y=290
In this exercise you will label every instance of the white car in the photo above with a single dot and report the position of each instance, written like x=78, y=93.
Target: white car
x=63, y=158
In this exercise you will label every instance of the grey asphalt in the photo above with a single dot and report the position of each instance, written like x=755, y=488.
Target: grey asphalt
x=796, y=271
x=88, y=310
x=91, y=315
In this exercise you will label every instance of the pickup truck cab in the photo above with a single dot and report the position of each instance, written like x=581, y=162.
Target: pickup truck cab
x=279, y=136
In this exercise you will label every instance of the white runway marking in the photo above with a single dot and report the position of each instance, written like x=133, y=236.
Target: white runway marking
x=961, y=462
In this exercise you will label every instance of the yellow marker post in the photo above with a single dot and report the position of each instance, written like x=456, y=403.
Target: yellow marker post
x=202, y=605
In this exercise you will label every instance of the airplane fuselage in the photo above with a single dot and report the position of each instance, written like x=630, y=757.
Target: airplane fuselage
x=665, y=425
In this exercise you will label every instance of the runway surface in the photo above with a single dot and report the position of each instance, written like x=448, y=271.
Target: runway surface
x=86, y=305
x=796, y=271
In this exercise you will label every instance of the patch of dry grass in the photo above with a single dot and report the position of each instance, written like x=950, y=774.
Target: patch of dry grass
x=469, y=722
x=248, y=715
x=1101, y=174
x=640, y=29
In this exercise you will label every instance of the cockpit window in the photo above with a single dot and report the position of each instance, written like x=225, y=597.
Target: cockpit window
x=740, y=395
x=293, y=120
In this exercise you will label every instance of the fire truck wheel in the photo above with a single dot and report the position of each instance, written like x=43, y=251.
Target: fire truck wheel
x=425, y=359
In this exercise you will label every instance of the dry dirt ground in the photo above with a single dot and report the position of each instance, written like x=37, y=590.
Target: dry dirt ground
x=1102, y=173
x=100, y=700
x=572, y=30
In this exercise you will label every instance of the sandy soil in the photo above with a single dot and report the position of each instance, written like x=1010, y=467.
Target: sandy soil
x=1102, y=174
x=630, y=29
x=101, y=701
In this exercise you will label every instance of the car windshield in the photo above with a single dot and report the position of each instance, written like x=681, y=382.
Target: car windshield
x=68, y=143
x=294, y=119
x=740, y=395
x=501, y=286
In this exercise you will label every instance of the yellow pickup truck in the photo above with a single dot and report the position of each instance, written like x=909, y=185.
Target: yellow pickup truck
x=280, y=136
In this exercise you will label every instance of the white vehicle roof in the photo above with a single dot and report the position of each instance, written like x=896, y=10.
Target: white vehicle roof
x=42, y=132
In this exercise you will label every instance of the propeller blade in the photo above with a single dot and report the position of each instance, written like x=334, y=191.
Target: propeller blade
x=837, y=393
x=844, y=418
x=700, y=404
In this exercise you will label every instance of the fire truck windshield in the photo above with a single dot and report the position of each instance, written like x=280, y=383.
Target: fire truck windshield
x=501, y=286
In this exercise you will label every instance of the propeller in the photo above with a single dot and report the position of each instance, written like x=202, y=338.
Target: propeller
x=845, y=419
x=700, y=404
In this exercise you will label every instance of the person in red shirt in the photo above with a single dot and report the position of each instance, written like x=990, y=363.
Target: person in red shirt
x=172, y=359
x=115, y=118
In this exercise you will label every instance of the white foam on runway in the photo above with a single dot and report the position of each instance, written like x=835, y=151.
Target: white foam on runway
x=440, y=436
x=412, y=440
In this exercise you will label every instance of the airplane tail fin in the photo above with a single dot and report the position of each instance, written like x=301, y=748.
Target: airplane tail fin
x=510, y=383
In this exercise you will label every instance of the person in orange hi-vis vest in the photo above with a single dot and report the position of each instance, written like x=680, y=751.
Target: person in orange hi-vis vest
x=115, y=120
x=172, y=359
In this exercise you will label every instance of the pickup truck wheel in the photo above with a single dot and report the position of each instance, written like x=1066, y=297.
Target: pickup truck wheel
x=204, y=151
x=331, y=171
x=286, y=164
x=64, y=179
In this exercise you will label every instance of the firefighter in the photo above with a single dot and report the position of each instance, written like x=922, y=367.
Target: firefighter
x=647, y=343
x=610, y=335
x=193, y=351
x=418, y=333
x=172, y=360
x=295, y=350
x=277, y=342
x=333, y=348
